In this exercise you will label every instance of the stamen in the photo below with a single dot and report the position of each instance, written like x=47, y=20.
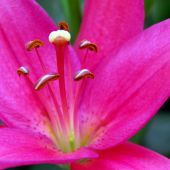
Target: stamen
x=34, y=44
x=63, y=26
x=59, y=37
x=82, y=74
x=85, y=44
x=22, y=71
x=45, y=79
x=60, y=126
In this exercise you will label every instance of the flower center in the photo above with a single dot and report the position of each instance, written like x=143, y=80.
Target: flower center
x=67, y=126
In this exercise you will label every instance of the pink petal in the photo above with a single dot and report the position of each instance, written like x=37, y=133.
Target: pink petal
x=129, y=88
x=109, y=24
x=23, y=148
x=28, y=23
x=20, y=106
x=126, y=156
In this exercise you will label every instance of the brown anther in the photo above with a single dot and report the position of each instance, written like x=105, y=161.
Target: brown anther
x=63, y=26
x=85, y=44
x=82, y=74
x=45, y=79
x=33, y=44
x=22, y=71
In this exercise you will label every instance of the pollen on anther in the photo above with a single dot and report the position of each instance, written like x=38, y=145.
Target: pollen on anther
x=85, y=44
x=63, y=26
x=33, y=44
x=82, y=74
x=45, y=79
x=22, y=71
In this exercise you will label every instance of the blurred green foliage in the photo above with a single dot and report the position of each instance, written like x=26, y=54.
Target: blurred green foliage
x=72, y=12
x=156, y=135
x=68, y=10
x=156, y=11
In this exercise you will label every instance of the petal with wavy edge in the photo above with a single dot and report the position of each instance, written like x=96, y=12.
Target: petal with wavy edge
x=24, y=148
x=128, y=88
x=109, y=24
x=126, y=156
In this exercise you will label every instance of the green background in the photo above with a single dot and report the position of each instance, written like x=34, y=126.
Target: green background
x=156, y=135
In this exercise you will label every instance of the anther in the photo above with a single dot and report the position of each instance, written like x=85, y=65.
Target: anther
x=63, y=26
x=22, y=71
x=45, y=79
x=82, y=74
x=33, y=44
x=59, y=37
x=85, y=44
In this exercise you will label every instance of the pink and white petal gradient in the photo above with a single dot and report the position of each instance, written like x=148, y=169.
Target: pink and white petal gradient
x=126, y=156
x=128, y=88
x=20, y=147
x=109, y=24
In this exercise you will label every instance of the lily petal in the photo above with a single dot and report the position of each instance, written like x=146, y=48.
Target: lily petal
x=19, y=105
x=19, y=102
x=128, y=88
x=109, y=24
x=26, y=24
x=23, y=148
x=126, y=156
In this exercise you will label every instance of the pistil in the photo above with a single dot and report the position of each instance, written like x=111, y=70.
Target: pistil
x=60, y=54
x=60, y=39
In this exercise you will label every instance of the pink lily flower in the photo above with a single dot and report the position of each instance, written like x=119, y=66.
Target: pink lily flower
x=66, y=119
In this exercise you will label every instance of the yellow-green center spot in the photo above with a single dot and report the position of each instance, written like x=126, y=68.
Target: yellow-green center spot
x=71, y=139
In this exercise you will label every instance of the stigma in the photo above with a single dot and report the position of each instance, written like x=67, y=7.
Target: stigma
x=59, y=37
